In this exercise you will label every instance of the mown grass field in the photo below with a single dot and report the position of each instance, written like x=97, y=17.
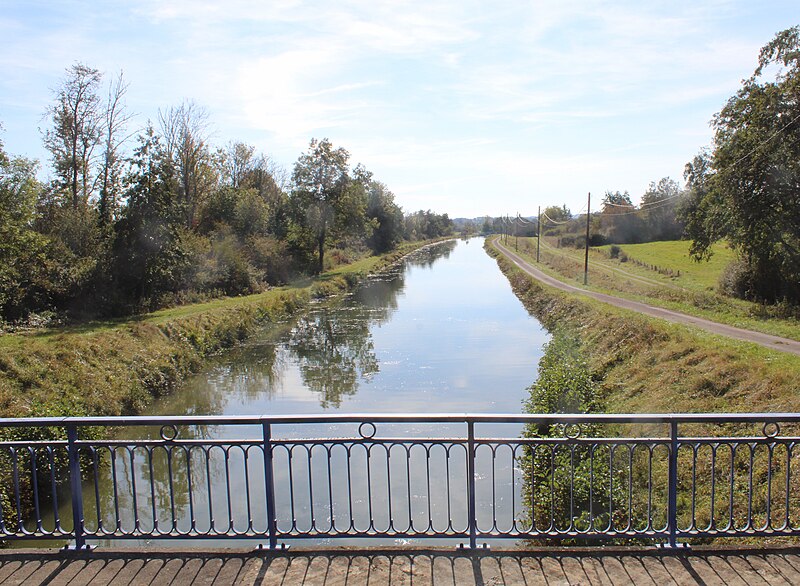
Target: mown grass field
x=674, y=256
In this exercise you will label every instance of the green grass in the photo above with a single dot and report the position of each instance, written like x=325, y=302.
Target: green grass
x=674, y=255
x=646, y=365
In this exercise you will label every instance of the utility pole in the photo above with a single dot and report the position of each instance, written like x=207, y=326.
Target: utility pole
x=538, y=231
x=516, y=233
x=586, y=259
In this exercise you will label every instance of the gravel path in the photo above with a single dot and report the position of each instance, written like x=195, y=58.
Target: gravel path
x=767, y=340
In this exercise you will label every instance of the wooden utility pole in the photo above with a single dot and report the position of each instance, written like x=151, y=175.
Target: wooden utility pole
x=586, y=258
x=538, y=231
x=516, y=233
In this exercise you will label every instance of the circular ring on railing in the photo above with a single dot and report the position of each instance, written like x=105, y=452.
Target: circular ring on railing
x=572, y=430
x=363, y=430
x=772, y=429
x=169, y=432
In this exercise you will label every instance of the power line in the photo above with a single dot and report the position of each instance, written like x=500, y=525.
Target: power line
x=655, y=206
x=554, y=221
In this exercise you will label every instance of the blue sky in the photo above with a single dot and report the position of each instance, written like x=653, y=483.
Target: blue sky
x=459, y=106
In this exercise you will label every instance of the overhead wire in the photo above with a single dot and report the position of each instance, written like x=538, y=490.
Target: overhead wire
x=554, y=221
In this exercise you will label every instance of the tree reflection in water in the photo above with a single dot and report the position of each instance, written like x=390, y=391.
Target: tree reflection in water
x=333, y=344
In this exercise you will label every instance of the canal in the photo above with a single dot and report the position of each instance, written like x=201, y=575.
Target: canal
x=441, y=331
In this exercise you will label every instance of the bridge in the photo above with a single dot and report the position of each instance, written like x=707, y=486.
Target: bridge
x=453, y=487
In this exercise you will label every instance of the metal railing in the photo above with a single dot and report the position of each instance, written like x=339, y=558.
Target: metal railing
x=471, y=478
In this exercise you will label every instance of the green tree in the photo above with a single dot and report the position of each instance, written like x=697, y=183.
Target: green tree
x=557, y=214
x=76, y=130
x=619, y=219
x=751, y=194
x=184, y=131
x=324, y=201
x=659, y=210
x=149, y=258
x=21, y=247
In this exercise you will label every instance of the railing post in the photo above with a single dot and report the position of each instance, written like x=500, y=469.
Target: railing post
x=269, y=486
x=75, y=487
x=672, y=502
x=473, y=529
x=471, y=506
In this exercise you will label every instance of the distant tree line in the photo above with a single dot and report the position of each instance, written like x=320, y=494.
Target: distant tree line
x=134, y=220
x=618, y=221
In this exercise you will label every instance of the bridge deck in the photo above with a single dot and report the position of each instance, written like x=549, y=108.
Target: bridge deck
x=372, y=567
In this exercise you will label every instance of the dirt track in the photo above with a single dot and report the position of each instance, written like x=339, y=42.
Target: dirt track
x=773, y=342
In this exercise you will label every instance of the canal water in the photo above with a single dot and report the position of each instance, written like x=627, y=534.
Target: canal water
x=439, y=332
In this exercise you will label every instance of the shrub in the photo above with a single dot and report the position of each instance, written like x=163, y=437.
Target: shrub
x=270, y=259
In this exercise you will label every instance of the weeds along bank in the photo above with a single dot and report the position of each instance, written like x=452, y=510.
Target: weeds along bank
x=644, y=365
x=115, y=368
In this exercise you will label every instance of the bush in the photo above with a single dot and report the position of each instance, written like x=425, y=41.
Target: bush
x=757, y=281
x=614, y=251
x=566, y=241
x=270, y=259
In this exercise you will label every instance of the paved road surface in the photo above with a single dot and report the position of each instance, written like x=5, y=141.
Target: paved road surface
x=773, y=342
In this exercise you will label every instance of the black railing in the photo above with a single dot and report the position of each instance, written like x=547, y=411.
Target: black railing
x=469, y=478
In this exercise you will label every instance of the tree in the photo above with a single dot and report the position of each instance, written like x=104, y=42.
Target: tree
x=387, y=217
x=115, y=120
x=237, y=160
x=557, y=214
x=321, y=180
x=148, y=257
x=659, y=205
x=20, y=245
x=619, y=221
x=751, y=194
x=185, y=136
x=77, y=119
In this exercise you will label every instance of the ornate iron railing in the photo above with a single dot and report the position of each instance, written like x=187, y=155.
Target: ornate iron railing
x=398, y=477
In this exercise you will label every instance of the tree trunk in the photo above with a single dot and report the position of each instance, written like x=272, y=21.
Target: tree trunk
x=321, y=242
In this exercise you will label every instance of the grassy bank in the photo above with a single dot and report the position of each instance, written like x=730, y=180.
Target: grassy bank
x=648, y=365
x=117, y=367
